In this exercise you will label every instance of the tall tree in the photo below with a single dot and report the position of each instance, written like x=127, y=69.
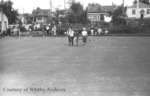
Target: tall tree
x=77, y=13
x=60, y=16
x=118, y=16
x=145, y=1
x=94, y=6
x=11, y=13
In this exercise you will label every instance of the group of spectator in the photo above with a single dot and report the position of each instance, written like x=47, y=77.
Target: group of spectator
x=48, y=30
x=51, y=30
x=17, y=30
x=98, y=31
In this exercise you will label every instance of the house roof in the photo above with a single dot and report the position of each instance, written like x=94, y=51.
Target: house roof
x=94, y=8
x=100, y=9
x=41, y=12
x=108, y=8
x=141, y=5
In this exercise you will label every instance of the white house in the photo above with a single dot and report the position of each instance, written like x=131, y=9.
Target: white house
x=138, y=10
x=96, y=17
x=3, y=22
x=41, y=15
x=98, y=13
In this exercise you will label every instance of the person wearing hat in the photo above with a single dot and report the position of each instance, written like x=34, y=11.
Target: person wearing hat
x=84, y=35
x=70, y=34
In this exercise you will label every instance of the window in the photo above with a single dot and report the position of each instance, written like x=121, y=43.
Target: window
x=148, y=11
x=133, y=11
x=102, y=17
x=98, y=18
x=39, y=18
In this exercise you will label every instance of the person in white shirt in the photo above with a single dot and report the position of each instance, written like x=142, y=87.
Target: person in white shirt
x=106, y=31
x=47, y=30
x=54, y=29
x=84, y=35
x=70, y=34
x=92, y=32
x=99, y=31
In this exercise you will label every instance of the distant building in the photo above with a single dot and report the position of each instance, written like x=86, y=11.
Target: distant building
x=41, y=16
x=138, y=10
x=97, y=13
x=3, y=22
x=26, y=18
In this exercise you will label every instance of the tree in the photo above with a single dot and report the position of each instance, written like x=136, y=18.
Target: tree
x=135, y=2
x=118, y=16
x=60, y=16
x=11, y=13
x=95, y=6
x=77, y=14
x=145, y=1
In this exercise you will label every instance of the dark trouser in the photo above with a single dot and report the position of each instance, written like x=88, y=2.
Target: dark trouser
x=84, y=39
x=47, y=32
x=69, y=40
x=77, y=40
x=3, y=33
x=8, y=32
x=72, y=39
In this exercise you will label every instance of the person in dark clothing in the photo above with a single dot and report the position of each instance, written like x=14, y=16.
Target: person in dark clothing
x=77, y=36
x=47, y=30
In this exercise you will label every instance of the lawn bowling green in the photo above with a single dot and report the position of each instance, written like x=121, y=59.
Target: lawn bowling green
x=105, y=66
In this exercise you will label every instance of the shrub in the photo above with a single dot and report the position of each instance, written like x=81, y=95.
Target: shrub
x=123, y=29
x=23, y=29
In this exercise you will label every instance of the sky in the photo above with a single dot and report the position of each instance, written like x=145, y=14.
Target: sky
x=26, y=6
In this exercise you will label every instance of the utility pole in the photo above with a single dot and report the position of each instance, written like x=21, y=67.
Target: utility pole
x=82, y=2
x=123, y=3
x=64, y=4
x=23, y=17
x=51, y=12
x=123, y=9
x=51, y=5
x=137, y=6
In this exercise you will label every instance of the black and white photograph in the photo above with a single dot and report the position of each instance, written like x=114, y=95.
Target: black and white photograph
x=74, y=47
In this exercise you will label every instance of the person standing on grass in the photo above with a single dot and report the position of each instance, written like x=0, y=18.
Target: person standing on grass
x=84, y=35
x=70, y=34
x=47, y=30
x=106, y=31
x=77, y=37
x=54, y=29
x=99, y=31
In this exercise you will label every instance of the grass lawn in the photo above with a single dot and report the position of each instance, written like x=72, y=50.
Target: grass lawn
x=105, y=66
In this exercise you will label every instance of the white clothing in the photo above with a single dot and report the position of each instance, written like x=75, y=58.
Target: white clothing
x=106, y=32
x=71, y=33
x=84, y=33
x=99, y=30
x=92, y=32
x=47, y=27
